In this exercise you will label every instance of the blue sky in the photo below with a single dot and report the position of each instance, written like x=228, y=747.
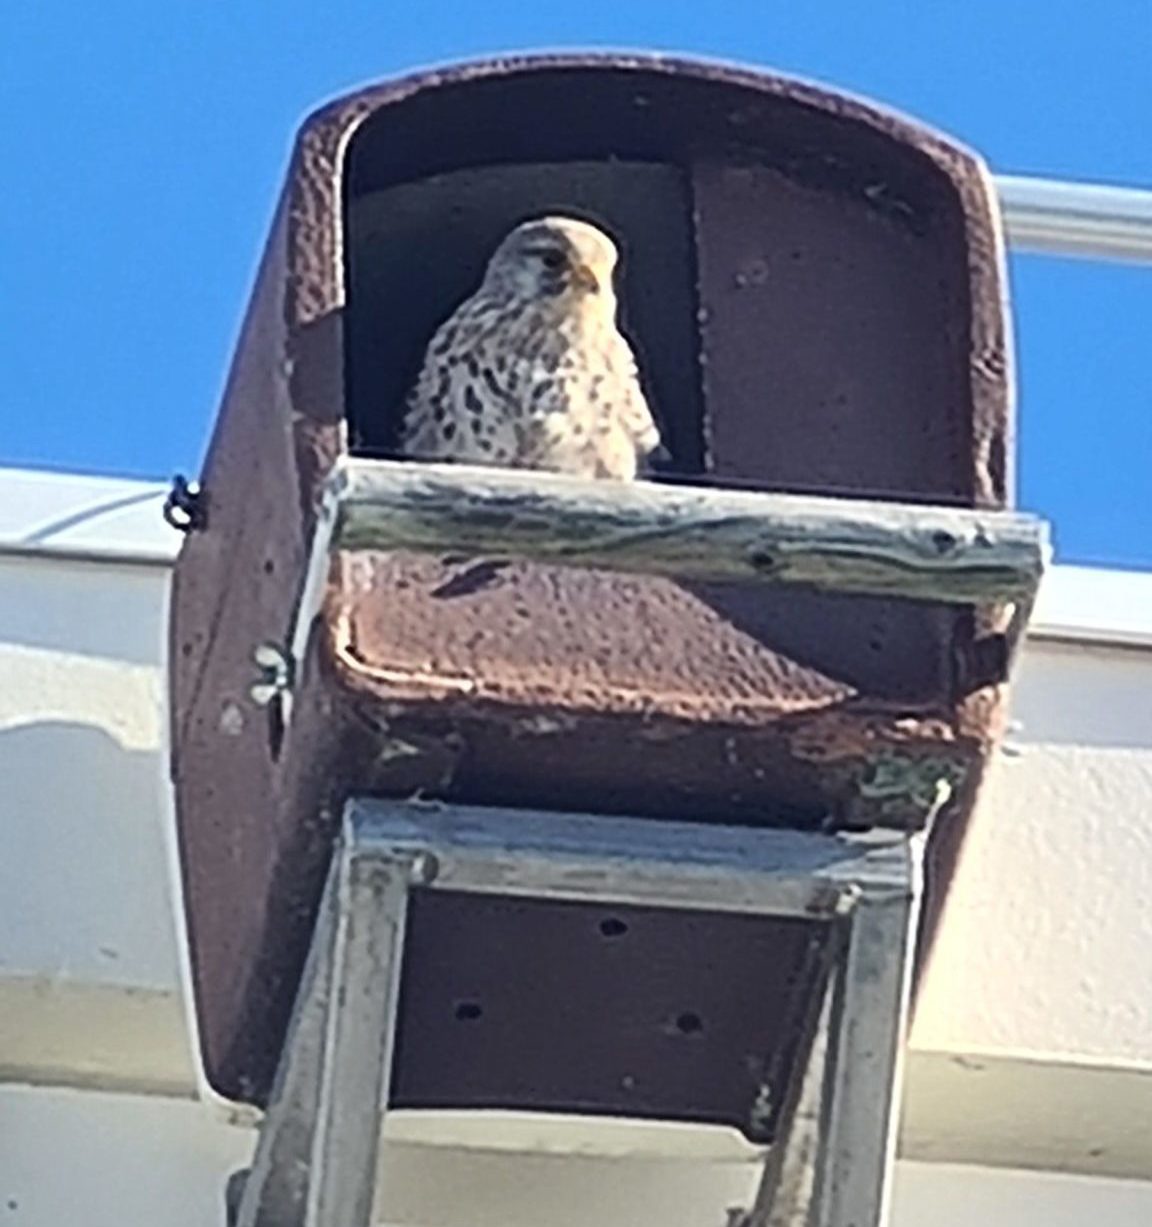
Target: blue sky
x=144, y=144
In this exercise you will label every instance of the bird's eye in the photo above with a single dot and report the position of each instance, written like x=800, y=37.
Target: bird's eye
x=553, y=260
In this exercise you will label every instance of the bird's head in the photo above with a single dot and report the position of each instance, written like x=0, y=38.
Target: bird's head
x=555, y=258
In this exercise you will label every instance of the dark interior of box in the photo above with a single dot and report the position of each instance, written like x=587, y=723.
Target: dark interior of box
x=528, y=1004
x=795, y=283
x=421, y=248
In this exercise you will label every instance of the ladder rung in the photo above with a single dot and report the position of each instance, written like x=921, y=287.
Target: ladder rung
x=598, y=857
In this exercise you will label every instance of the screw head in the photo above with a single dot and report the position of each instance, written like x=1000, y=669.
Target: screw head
x=424, y=870
x=275, y=674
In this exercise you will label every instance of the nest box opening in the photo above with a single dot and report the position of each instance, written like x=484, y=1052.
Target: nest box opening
x=434, y=184
x=794, y=281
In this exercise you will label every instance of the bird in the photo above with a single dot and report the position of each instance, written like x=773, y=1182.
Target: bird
x=532, y=371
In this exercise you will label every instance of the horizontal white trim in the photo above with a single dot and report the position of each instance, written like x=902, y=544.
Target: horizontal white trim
x=129, y=1159
x=66, y=1032
x=78, y=516
x=118, y=520
x=1028, y=1110
x=1094, y=605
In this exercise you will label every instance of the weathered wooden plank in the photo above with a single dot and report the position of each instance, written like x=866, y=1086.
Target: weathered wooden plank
x=835, y=544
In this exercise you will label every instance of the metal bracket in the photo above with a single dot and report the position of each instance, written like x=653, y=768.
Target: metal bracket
x=316, y=1160
x=278, y=667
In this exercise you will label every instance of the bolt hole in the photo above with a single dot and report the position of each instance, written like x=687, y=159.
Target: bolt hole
x=613, y=926
x=469, y=1011
x=689, y=1023
x=269, y=566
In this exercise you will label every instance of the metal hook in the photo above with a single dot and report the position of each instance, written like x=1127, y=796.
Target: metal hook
x=185, y=507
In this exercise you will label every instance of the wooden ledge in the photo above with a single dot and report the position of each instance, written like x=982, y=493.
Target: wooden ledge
x=919, y=552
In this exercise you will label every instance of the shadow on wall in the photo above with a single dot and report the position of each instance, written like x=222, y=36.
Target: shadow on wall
x=1076, y=694
x=84, y=609
x=84, y=873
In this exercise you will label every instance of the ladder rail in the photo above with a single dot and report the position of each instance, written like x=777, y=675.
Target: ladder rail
x=316, y=1158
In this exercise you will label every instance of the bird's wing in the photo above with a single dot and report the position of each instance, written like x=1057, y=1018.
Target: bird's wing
x=418, y=433
x=639, y=420
x=458, y=409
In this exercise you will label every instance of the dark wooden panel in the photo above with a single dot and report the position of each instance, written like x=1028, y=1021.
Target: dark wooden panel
x=834, y=329
x=569, y=1007
x=835, y=334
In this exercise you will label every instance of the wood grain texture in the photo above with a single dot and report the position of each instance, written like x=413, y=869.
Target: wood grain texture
x=919, y=552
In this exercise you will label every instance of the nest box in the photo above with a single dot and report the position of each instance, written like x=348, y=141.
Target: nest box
x=814, y=287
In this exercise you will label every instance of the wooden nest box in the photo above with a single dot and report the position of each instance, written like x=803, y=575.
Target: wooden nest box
x=815, y=288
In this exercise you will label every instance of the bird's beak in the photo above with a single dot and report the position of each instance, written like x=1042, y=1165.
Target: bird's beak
x=583, y=278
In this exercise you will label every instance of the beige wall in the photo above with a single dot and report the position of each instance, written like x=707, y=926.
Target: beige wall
x=1032, y=1046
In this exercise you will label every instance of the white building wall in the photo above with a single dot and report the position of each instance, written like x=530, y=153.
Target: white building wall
x=105, y=1160
x=1031, y=1048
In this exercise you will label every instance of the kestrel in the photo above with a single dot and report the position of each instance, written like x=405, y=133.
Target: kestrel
x=531, y=371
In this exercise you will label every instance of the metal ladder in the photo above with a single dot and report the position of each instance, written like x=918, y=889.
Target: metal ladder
x=316, y=1160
